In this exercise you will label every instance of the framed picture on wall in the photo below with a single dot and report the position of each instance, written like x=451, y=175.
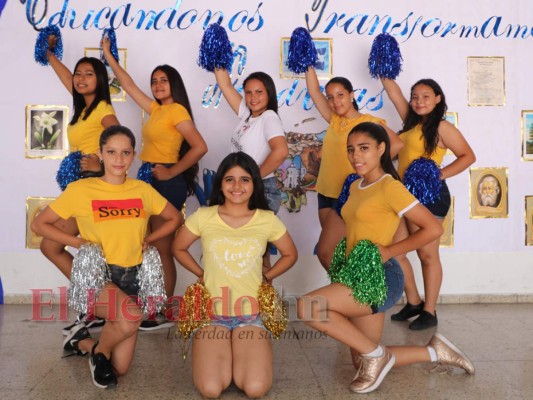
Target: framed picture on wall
x=529, y=220
x=486, y=81
x=46, y=131
x=34, y=205
x=324, y=67
x=446, y=240
x=527, y=135
x=488, y=193
x=116, y=91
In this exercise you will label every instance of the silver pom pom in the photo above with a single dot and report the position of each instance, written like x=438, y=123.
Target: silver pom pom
x=89, y=275
x=152, y=295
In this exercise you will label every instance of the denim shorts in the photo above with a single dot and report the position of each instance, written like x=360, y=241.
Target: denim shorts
x=237, y=322
x=326, y=202
x=440, y=208
x=394, y=282
x=174, y=189
x=272, y=193
x=125, y=278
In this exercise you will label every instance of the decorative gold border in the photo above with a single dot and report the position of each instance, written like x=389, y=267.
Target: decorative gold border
x=523, y=128
x=114, y=85
x=447, y=238
x=528, y=200
x=34, y=205
x=498, y=68
x=453, y=118
x=62, y=151
x=284, y=73
x=476, y=209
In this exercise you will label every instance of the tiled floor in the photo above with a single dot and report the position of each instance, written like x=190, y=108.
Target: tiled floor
x=498, y=338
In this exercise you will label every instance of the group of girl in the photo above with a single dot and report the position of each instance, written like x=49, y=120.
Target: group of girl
x=237, y=227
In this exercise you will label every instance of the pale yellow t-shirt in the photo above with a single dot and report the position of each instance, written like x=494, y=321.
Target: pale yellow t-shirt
x=373, y=212
x=114, y=216
x=161, y=139
x=413, y=149
x=334, y=166
x=84, y=135
x=233, y=258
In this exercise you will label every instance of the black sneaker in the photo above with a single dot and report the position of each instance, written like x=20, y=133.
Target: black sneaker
x=159, y=321
x=93, y=324
x=408, y=311
x=101, y=370
x=77, y=333
x=424, y=321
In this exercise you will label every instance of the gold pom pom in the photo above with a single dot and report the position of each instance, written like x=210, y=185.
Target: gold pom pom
x=194, y=311
x=272, y=310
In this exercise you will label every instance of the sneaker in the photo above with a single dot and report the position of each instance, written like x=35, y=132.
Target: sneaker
x=408, y=311
x=449, y=354
x=424, y=321
x=159, y=321
x=101, y=370
x=372, y=372
x=77, y=333
x=93, y=324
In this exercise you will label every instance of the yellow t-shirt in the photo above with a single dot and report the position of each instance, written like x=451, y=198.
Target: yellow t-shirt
x=334, y=166
x=161, y=139
x=84, y=136
x=114, y=216
x=373, y=212
x=233, y=258
x=413, y=149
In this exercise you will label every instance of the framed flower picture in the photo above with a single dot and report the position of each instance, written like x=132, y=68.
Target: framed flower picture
x=46, y=131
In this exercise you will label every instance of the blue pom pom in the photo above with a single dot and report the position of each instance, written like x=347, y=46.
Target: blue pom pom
x=69, y=170
x=345, y=192
x=385, y=59
x=145, y=173
x=215, y=49
x=302, y=51
x=41, y=45
x=110, y=34
x=422, y=179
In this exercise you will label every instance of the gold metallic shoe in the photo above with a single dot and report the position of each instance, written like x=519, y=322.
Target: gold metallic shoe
x=372, y=372
x=449, y=354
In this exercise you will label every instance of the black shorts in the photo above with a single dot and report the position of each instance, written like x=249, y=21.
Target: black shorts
x=441, y=206
x=174, y=190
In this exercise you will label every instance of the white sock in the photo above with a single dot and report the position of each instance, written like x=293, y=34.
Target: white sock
x=432, y=354
x=377, y=352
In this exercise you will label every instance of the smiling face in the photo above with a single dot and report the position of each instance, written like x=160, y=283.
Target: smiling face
x=161, y=87
x=237, y=186
x=364, y=153
x=340, y=100
x=117, y=154
x=423, y=100
x=256, y=96
x=84, y=80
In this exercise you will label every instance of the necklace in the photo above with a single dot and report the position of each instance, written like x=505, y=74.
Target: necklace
x=345, y=120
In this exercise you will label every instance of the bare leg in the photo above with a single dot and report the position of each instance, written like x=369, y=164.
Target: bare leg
x=252, y=360
x=164, y=246
x=406, y=355
x=333, y=230
x=411, y=291
x=56, y=252
x=212, y=360
x=372, y=327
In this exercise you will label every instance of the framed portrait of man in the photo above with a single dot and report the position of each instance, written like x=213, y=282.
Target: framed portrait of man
x=488, y=193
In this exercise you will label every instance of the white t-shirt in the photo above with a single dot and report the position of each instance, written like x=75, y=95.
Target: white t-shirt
x=252, y=134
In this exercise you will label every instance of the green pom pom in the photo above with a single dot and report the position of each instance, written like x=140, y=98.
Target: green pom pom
x=362, y=271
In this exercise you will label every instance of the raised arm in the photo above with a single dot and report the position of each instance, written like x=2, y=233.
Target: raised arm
x=126, y=81
x=451, y=138
x=288, y=258
x=396, y=143
x=62, y=72
x=313, y=88
x=180, y=248
x=395, y=95
x=231, y=94
x=44, y=226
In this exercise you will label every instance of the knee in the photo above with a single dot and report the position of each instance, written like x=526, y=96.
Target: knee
x=129, y=326
x=210, y=389
x=50, y=248
x=256, y=388
x=428, y=259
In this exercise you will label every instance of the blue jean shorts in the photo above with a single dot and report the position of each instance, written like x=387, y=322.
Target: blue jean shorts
x=272, y=193
x=174, y=189
x=125, y=278
x=394, y=282
x=326, y=202
x=237, y=322
x=440, y=208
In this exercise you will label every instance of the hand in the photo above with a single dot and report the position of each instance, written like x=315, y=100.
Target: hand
x=90, y=162
x=79, y=242
x=265, y=269
x=146, y=244
x=200, y=279
x=161, y=173
x=52, y=41
x=105, y=44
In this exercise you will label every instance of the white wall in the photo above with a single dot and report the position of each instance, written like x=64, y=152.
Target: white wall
x=489, y=256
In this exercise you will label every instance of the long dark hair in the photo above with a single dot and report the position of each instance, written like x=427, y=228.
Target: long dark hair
x=346, y=84
x=430, y=127
x=379, y=134
x=101, y=93
x=179, y=95
x=247, y=163
x=270, y=87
